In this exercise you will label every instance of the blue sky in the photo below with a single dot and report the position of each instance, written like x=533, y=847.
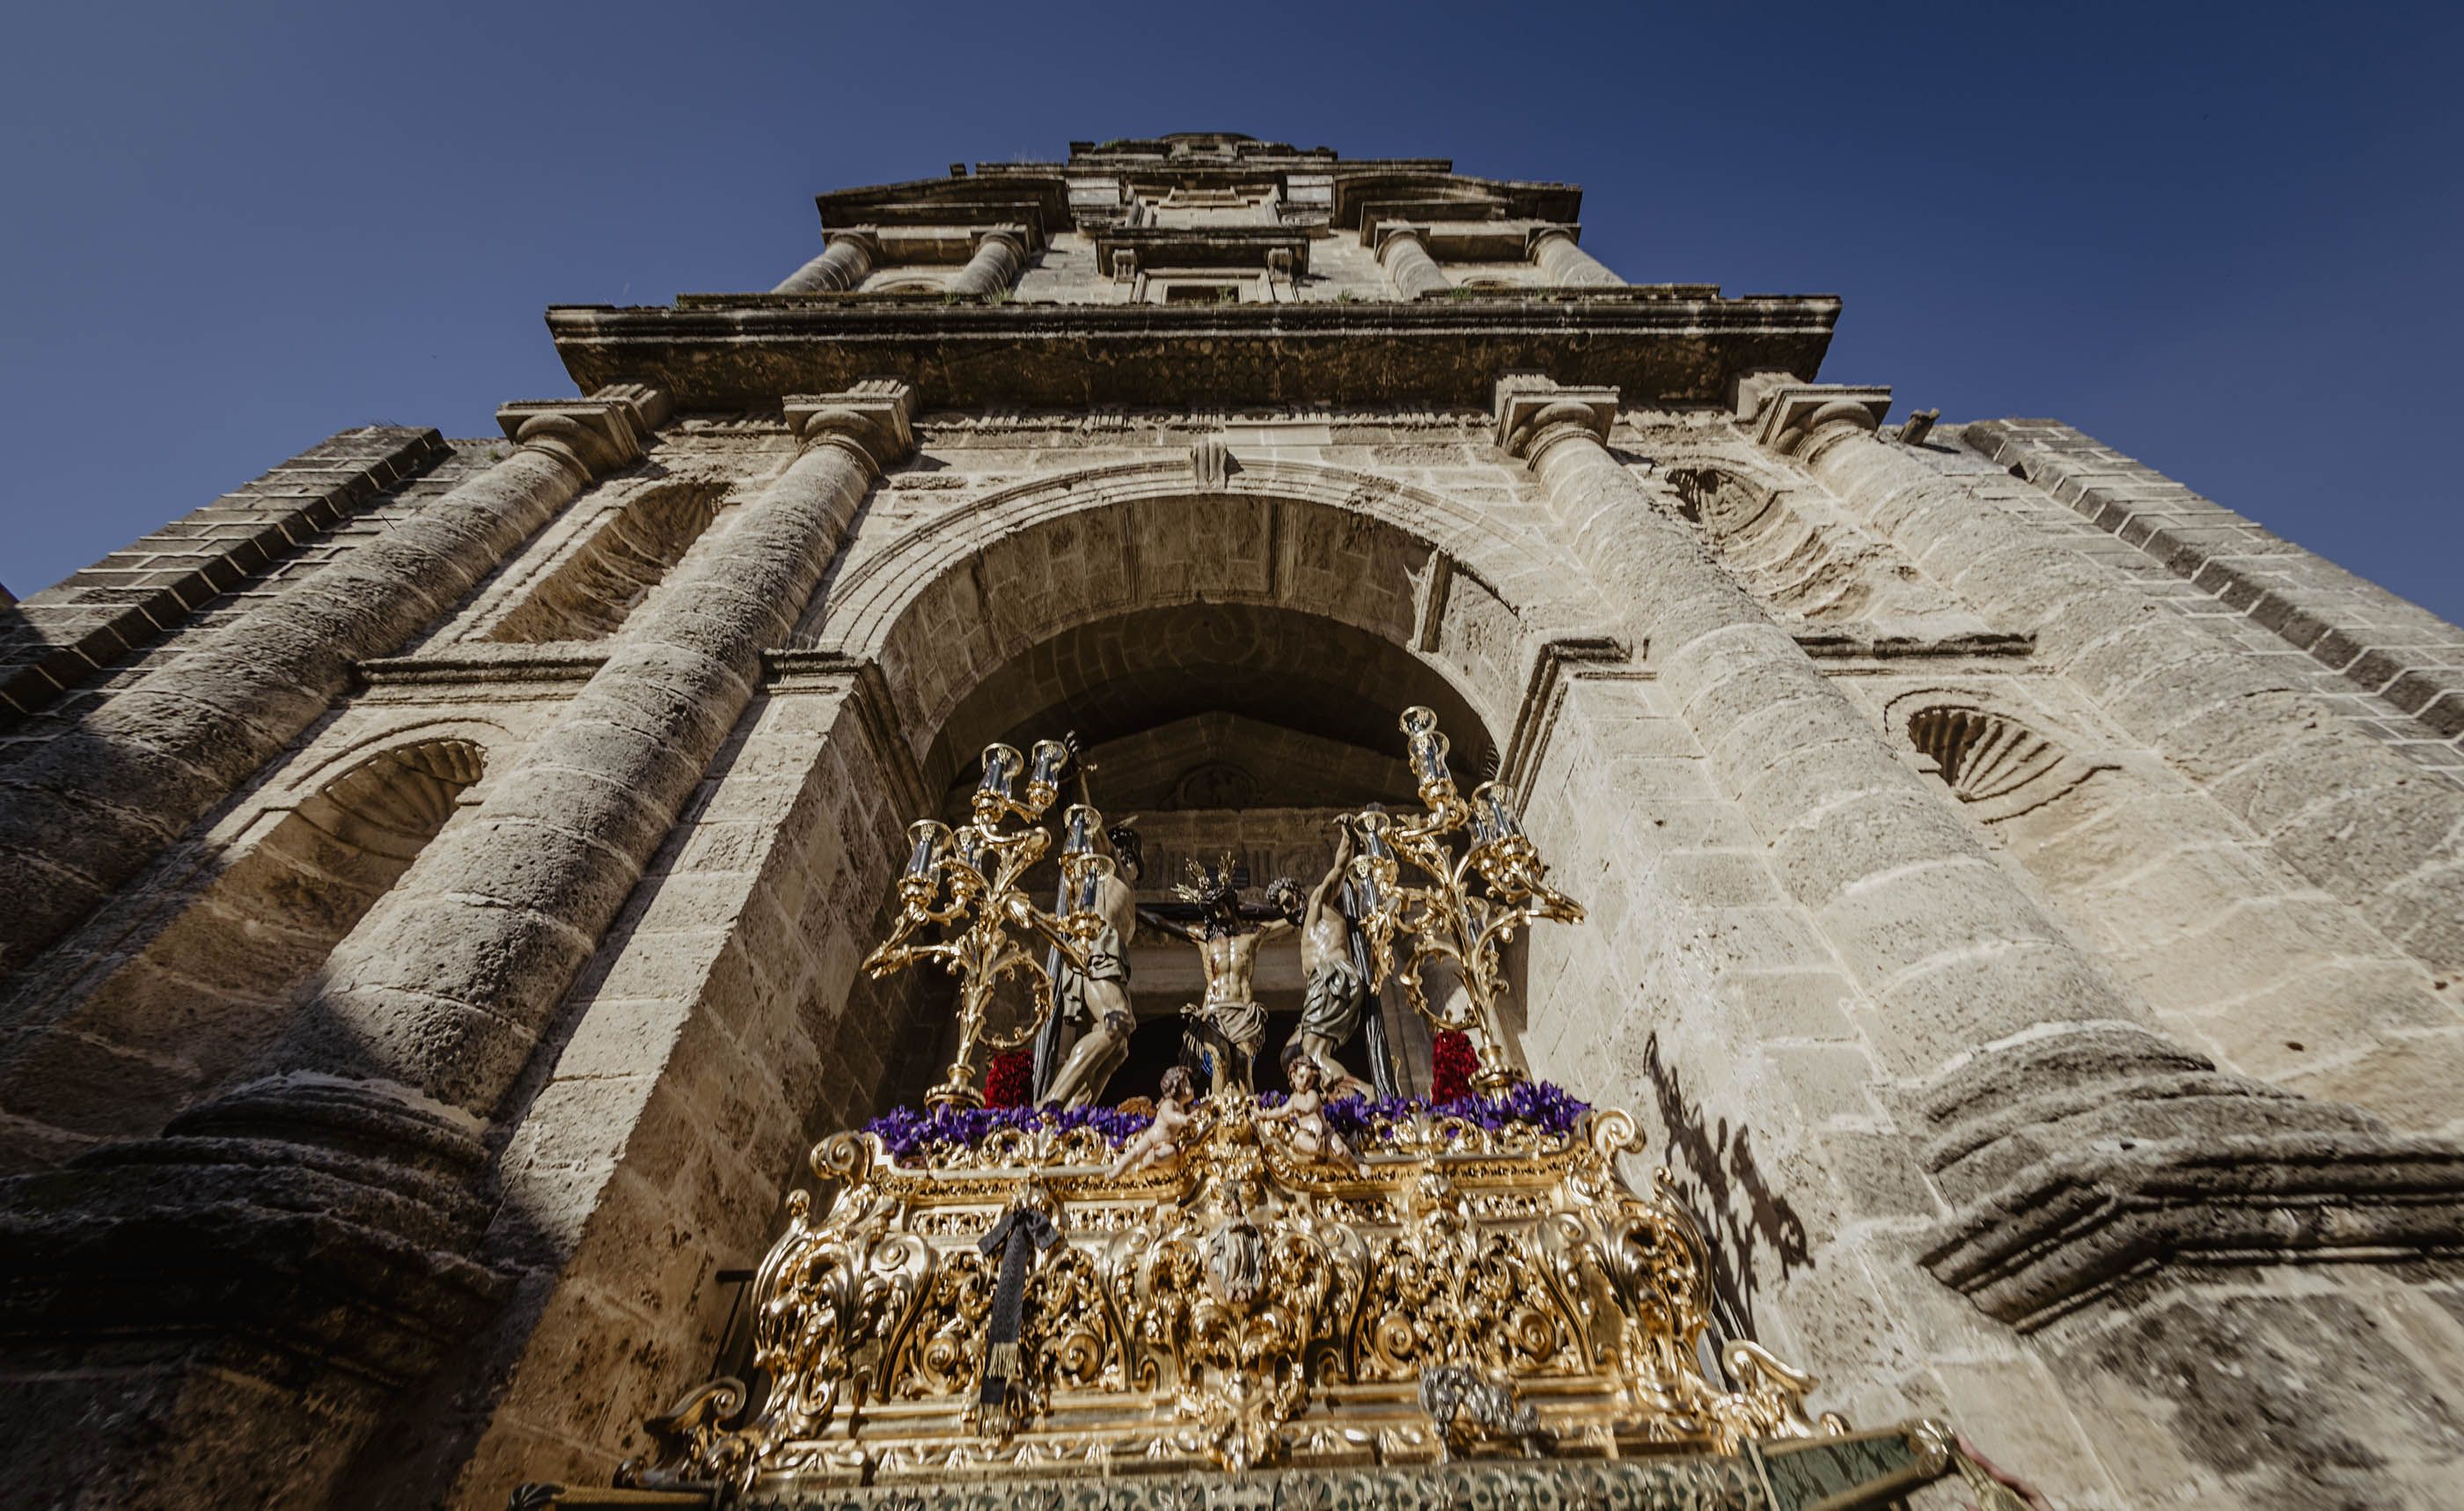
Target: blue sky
x=2221, y=238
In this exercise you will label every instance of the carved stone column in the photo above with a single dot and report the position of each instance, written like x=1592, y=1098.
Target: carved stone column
x=1000, y=255
x=844, y=262
x=325, y=1212
x=2072, y=1140
x=95, y=804
x=2390, y=843
x=1567, y=265
x=1407, y=261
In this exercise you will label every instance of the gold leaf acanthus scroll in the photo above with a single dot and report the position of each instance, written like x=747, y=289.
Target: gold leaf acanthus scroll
x=1236, y=1307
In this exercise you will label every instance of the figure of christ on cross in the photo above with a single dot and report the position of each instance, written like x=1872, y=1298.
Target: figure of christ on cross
x=1227, y=932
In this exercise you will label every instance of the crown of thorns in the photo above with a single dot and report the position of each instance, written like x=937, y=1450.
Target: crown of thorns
x=1208, y=882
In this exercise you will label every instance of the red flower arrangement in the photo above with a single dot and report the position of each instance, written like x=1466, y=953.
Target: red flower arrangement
x=1011, y=1080
x=1451, y=1066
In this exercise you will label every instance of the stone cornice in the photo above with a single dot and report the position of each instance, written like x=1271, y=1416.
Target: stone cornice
x=741, y=352
x=2081, y=1223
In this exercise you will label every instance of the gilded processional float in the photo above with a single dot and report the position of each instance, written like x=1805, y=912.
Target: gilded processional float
x=1324, y=1296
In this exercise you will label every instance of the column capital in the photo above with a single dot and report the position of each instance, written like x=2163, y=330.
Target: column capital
x=1527, y=403
x=1016, y=238
x=1571, y=231
x=597, y=435
x=1782, y=412
x=1380, y=232
x=875, y=419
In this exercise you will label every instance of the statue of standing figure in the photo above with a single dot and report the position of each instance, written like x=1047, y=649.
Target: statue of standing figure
x=1228, y=1023
x=1095, y=1001
x=1330, y=963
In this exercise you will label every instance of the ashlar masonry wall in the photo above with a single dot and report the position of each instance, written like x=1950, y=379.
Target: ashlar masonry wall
x=1829, y=941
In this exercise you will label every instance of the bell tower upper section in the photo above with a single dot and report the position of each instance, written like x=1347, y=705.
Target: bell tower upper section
x=1203, y=268
x=1200, y=217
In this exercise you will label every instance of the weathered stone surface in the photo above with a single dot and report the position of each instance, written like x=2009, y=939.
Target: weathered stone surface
x=2024, y=910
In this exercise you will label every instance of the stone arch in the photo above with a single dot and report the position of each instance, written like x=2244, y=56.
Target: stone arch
x=1075, y=597
x=943, y=607
x=173, y=1010
x=738, y=963
x=617, y=563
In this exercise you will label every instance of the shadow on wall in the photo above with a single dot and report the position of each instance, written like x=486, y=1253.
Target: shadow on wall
x=615, y=566
x=194, y=1002
x=1748, y=1226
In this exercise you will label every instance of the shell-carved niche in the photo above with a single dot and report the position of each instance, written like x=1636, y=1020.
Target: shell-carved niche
x=1789, y=557
x=1999, y=765
x=1720, y=501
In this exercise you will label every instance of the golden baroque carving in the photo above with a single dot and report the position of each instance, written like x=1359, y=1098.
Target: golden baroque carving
x=1236, y=1307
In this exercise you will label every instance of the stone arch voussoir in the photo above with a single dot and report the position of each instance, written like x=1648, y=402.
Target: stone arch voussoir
x=949, y=605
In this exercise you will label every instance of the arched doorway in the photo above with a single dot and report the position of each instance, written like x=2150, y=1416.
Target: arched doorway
x=1233, y=657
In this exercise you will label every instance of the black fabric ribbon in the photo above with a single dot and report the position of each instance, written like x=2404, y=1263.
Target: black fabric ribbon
x=1009, y=1293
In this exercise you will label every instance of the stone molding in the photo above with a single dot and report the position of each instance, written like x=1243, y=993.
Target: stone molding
x=874, y=421
x=610, y=430
x=1666, y=346
x=2091, y=1219
x=2377, y=642
x=1527, y=404
x=2000, y=763
x=1781, y=412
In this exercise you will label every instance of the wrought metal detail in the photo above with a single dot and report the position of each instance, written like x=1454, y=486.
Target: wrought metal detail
x=1464, y=909
x=965, y=882
x=1466, y=1406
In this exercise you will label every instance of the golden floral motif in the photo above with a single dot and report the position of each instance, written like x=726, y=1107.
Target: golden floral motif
x=1232, y=1307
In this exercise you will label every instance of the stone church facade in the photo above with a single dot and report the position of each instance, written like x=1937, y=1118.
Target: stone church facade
x=2026, y=898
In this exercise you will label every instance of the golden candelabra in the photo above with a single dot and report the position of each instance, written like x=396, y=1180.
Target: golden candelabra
x=1468, y=905
x=965, y=883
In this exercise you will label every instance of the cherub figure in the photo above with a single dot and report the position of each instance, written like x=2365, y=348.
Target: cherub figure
x=1304, y=1113
x=1159, y=1142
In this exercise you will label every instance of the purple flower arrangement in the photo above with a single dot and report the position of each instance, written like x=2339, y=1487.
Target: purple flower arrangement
x=1533, y=1104
x=905, y=1132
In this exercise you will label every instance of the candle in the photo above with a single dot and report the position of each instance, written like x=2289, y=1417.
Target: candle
x=928, y=839
x=1493, y=813
x=1044, y=777
x=1368, y=894
x=1425, y=745
x=1001, y=769
x=1372, y=828
x=1080, y=828
x=1085, y=876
